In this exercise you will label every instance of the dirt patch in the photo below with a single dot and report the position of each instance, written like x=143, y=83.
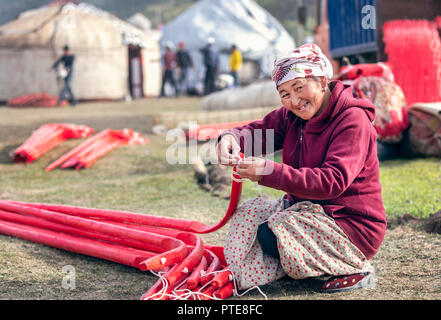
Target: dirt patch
x=407, y=268
x=6, y=153
x=213, y=178
x=431, y=224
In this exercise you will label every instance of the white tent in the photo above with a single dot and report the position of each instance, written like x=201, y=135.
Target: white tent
x=257, y=34
x=113, y=59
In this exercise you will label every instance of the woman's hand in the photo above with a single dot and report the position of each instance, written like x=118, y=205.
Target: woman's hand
x=251, y=168
x=228, y=151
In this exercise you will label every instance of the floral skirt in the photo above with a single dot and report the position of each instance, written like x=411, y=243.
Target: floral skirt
x=309, y=242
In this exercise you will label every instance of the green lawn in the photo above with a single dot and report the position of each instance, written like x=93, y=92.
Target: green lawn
x=411, y=186
x=138, y=178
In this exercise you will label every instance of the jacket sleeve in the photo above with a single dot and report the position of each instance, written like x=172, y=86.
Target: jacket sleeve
x=344, y=161
x=256, y=138
x=56, y=63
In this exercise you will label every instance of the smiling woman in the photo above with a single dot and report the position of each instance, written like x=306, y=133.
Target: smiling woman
x=331, y=220
x=305, y=97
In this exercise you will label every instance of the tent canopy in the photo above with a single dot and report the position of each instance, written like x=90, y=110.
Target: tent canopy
x=257, y=34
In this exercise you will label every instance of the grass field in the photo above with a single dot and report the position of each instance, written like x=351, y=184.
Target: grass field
x=139, y=179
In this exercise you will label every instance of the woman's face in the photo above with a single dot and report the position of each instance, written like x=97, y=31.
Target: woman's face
x=303, y=96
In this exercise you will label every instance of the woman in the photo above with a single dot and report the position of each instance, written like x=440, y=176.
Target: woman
x=331, y=220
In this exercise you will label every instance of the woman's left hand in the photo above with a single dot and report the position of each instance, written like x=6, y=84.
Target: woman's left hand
x=251, y=168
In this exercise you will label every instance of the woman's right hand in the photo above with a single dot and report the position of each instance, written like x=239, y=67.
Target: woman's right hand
x=228, y=151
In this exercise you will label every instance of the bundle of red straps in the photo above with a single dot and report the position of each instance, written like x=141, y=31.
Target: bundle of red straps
x=169, y=247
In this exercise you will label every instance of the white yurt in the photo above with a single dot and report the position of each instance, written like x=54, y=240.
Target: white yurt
x=113, y=59
x=255, y=32
x=140, y=21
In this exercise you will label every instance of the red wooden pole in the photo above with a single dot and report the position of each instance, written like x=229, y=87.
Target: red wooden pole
x=195, y=277
x=214, y=265
x=176, y=249
x=75, y=150
x=225, y=292
x=44, y=224
x=94, y=248
x=222, y=278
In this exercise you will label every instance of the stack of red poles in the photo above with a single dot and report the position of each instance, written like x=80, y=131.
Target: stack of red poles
x=190, y=269
x=212, y=131
x=35, y=100
x=48, y=137
x=84, y=155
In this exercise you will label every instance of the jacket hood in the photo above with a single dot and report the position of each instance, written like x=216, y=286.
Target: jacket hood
x=340, y=100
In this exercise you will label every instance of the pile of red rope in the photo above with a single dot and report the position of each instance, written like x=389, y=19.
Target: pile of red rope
x=48, y=137
x=188, y=268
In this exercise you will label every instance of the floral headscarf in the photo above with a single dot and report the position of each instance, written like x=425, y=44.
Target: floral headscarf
x=305, y=61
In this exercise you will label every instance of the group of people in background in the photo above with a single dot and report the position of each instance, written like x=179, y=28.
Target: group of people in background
x=170, y=61
x=176, y=67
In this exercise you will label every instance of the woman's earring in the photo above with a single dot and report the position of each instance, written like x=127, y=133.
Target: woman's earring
x=324, y=89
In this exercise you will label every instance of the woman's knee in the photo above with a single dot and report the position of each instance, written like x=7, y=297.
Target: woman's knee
x=268, y=240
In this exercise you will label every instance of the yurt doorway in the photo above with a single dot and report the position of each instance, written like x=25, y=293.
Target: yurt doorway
x=135, y=72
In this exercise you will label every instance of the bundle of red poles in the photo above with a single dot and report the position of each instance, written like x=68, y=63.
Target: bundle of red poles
x=48, y=137
x=167, y=245
x=84, y=155
x=35, y=100
x=212, y=131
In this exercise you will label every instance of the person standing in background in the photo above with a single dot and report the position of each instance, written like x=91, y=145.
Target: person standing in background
x=185, y=62
x=168, y=69
x=235, y=64
x=66, y=74
x=211, y=62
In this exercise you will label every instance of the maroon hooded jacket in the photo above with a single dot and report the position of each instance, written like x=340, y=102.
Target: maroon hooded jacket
x=330, y=160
